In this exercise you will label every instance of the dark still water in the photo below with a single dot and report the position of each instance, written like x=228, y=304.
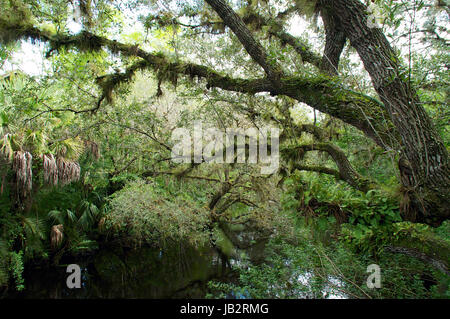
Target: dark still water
x=132, y=273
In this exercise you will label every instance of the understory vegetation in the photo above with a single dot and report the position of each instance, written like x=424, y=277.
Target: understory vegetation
x=86, y=168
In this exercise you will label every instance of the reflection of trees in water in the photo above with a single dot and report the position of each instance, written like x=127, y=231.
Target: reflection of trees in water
x=178, y=272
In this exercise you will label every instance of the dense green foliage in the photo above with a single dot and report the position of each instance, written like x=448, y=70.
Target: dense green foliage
x=97, y=122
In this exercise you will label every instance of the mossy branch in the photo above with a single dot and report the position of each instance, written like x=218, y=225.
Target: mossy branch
x=322, y=93
x=345, y=172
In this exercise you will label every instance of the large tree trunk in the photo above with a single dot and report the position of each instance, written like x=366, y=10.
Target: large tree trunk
x=334, y=42
x=424, y=163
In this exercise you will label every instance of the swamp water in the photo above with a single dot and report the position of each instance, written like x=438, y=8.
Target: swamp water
x=128, y=273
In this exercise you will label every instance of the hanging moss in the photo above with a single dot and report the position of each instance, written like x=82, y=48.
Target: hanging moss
x=15, y=18
x=109, y=82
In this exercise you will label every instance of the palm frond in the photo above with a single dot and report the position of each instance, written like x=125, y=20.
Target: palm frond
x=71, y=216
x=34, y=227
x=36, y=140
x=62, y=217
x=89, y=216
x=6, y=146
x=57, y=216
x=70, y=148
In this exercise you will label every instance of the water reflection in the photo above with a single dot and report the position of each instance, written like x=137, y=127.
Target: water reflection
x=133, y=273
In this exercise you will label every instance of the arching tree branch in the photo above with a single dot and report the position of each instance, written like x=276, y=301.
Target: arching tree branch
x=253, y=47
x=346, y=171
x=334, y=42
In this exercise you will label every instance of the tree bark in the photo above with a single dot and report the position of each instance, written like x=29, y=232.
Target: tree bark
x=334, y=42
x=424, y=159
x=253, y=47
x=424, y=163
